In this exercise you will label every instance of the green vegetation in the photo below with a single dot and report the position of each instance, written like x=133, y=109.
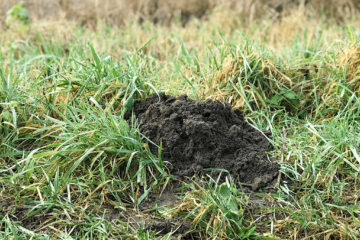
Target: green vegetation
x=17, y=13
x=68, y=157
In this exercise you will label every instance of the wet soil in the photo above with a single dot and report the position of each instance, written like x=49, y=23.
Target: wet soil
x=20, y=212
x=147, y=218
x=205, y=137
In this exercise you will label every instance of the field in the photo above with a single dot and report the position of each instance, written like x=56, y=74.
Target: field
x=74, y=164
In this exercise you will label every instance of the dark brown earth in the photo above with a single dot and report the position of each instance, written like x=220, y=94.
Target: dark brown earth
x=199, y=136
x=20, y=212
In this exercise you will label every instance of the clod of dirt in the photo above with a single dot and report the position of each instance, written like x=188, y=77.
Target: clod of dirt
x=198, y=135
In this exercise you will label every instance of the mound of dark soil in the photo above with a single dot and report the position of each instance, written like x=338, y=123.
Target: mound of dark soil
x=198, y=135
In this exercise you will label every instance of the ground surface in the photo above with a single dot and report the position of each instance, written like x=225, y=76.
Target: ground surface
x=76, y=163
x=198, y=135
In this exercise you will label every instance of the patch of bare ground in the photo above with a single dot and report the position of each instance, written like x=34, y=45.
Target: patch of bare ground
x=52, y=220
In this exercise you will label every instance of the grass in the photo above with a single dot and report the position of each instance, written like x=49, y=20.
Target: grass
x=68, y=157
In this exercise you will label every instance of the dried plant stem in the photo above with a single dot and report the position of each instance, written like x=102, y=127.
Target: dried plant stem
x=282, y=156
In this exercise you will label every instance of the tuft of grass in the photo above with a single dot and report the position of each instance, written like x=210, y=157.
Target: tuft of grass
x=217, y=209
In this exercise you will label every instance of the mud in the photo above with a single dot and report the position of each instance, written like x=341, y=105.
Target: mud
x=202, y=137
x=147, y=220
x=20, y=212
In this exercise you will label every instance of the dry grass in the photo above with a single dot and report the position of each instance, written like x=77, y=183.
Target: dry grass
x=349, y=62
x=233, y=71
x=162, y=11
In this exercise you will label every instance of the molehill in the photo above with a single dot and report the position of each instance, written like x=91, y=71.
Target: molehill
x=200, y=135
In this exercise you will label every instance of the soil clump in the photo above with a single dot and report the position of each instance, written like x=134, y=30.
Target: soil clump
x=202, y=136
